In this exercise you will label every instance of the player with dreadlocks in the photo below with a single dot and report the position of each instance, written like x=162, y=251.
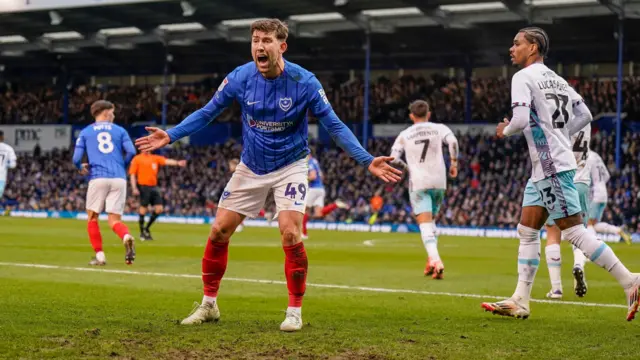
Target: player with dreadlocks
x=548, y=111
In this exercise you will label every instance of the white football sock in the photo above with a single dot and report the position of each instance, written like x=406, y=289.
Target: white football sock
x=578, y=258
x=528, y=261
x=605, y=228
x=554, y=262
x=295, y=310
x=599, y=253
x=208, y=299
x=100, y=256
x=429, y=239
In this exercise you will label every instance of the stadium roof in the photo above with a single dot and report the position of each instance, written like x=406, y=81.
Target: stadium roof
x=212, y=35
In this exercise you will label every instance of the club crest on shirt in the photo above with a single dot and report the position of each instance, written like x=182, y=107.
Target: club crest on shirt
x=285, y=103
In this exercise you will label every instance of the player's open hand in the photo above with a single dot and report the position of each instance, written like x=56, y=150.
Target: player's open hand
x=156, y=139
x=384, y=171
x=453, y=170
x=135, y=192
x=500, y=128
x=84, y=170
x=182, y=163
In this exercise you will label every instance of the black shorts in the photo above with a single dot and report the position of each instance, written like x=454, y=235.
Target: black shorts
x=149, y=195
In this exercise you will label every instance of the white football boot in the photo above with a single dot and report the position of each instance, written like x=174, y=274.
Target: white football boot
x=292, y=322
x=202, y=313
x=508, y=307
x=633, y=298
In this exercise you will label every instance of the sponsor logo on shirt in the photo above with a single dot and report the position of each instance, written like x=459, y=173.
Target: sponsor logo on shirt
x=269, y=126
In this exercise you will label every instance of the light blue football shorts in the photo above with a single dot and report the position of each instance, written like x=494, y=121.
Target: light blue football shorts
x=596, y=211
x=426, y=200
x=583, y=192
x=557, y=193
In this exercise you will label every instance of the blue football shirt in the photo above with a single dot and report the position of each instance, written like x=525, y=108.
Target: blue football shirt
x=108, y=147
x=274, y=116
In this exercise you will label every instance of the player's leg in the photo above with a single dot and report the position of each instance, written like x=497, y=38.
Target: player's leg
x=95, y=237
x=305, y=220
x=96, y=195
x=605, y=228
x=579, y=259
x=596, y=210
x=532, y=218
x=2, y=186
x=315, y=208
x=214, y=265
x=289, y=192
x=115, y=201
x=142, y=212
x=243, y=196
x=295, y=266
x=567, y=203
x=554, y=260
x=156, y=202
x=425, y=204
x=145, y=200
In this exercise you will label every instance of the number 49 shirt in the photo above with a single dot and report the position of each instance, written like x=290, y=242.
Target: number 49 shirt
x=108, y=147
x=550, y=100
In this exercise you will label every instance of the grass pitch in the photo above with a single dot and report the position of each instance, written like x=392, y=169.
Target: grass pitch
x=363, y=302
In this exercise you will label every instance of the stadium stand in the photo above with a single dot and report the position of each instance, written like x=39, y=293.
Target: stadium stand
x=389, y=100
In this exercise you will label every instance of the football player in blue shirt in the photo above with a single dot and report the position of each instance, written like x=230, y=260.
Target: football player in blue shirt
x=109, y=150
x=275, y=96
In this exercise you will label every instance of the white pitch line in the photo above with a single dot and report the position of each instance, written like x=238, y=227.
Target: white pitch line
x=325, y=286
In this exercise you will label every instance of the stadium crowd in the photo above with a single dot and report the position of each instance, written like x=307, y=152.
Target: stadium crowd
x=389, y=99
x=487, y=192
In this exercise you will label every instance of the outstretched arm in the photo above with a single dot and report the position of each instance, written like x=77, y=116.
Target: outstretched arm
x=172, y=162
x=197, y=120
x=341, y=134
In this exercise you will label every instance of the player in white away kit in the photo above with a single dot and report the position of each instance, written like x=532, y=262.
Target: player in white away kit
x=580, y=146
x=422, y=145
x=599, y=198
x=8, y=160
x=549, y=111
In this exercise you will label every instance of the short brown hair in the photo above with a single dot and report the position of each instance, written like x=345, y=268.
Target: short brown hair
x=271, y=25
x=419, y=108
x=99, y=106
